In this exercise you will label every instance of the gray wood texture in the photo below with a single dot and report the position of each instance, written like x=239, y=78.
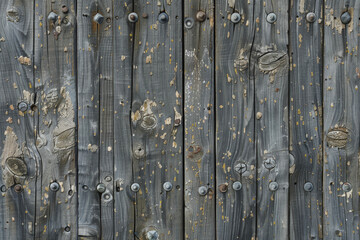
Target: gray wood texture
x=341, y=121
x=199, y=117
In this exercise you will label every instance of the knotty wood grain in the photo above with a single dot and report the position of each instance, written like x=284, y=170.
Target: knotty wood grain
x=235, y=136
x=341, y=113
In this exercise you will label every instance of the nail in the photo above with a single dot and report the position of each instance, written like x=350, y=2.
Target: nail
x=163, y=17
x=54, y=186
x=235, y=17
x=101, y=187
x=98, y=18
x=310, y=17
x=237, y=186
x=202, y=190
x=271, y=18
x=135, y=187
x=133, y=17
x=3, y=188
x=152, y=235
x=346, y=187
x=273, y=186
x=240, y=167
x=189, y=23
x=67, y=229
x=65, y=9
x=108, y=178
x=22, y=106
x=106, y=196
x=308, y=186
x=223, y=187
x=18, y=188
x=269, y=163
x=200, y=16
x=345, y=17
x=167, y=186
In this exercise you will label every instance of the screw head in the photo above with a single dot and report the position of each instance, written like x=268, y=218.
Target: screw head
x=52, y=16
x=200, y=16
x=108, y=178
x=273, y=186
x=135, y=187
x=22, y=106
x=310, y=17
x=308, y=186
x=271, y=18
x=18, y=188
x=67, y=229
x=54, y=186
x=98, y=18
x=202, y=190
x=64, y=9
x=235, y=17
x=189, y=23
x=101, y=187
x=240, y=168
x=236, y=186
x=345, y=18
x=269, y=163
x=152, y=235
x=133, y=17
x=346, y=187
x=163, y=17
x=223, y=187
x=167, y=186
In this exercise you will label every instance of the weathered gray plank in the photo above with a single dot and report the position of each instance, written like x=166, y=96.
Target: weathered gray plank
x=17, y=129
x=123, y=175
x=55, y=81
x=199, y=119
x=306, y=120
x=157, y=132
x=88, y=120
x=341, y=121
x=270, y=56
x=235, y=146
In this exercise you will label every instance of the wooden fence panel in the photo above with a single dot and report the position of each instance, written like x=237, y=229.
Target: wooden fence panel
x=199, y=112
x=55, y=81
x=235, y=136
x=157, y=132
x=341, y=120
x=19, y=156
x=306, y=119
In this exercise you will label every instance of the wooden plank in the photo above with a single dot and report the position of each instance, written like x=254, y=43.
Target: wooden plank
x=341, y=121
x=235, y=146
x=157, y=132
x=17, y=129
x=88, y=120
x=306, y=120
x=123, y=174
x=270, y=56
x=199, y=119
x=55, y=81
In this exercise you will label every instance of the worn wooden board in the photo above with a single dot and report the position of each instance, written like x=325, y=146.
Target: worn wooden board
x=341, y=121
x=270, y=56
x=235, y=136
x=17, y=137
x=305, y=120
x=157, y=130
x=88, y=120
x=55, y=81
x=199, y=120
x=123, y=31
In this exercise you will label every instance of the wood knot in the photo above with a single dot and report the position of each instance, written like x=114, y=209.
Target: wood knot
x=337, y=137
x=195, y=152
x=271, y=62
x=16, y=166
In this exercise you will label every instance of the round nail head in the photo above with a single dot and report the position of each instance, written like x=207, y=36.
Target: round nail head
x=22, y=106
x=106, y=196
x=346, y=187
x=240, y=168
x=200, y=16
x=3, y=188
x=235, y=17
x=310, y=17
x=54, y=186
x=202, y=190
x=152, y=235
x=167, y=186
x=163, y=17
x=65, y=9
x=133, y=17
x=189, y=23
x=269, y=163
x=108, y=178
x=237, y=186
x=345, y=18
x=18, y=188
x=273, y=186
x=98, y=18
x=135, y=187
x=67, y=229
x=271, y=18
x=223, y=187
x=101, y=187
x=308, y=186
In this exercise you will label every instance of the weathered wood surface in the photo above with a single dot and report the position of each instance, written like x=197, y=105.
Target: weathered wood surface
x=341, y=121
x=306, y=119
x=199, y=117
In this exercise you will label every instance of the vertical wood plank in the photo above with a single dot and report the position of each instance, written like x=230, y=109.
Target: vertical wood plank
x=306, y=120
x=271, y=124
x=199, y=120
x=157, y=132
x=123, y=174
x=88, y=120
x=235, y=136
x=341, y=121
x=55, y=81
x=17, y=128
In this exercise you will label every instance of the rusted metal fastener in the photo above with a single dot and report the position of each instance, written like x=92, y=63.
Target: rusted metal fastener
x=98, y=18
x=22, y=106
x=269, y=163
x=203, y=190
x=64, y=9
x=18, y=188
x=54, y=186
x=237, y=186
x=308, y=186
x=240, y=167
x=163, y=17
x=273, y=186
x=200, y=16
x=310, y=17
x=271, y=18
x=135, y=187
x=235, y=17
x=101, y=187
x=52, y=17
x=345, y=18
x=152, y=235
x=167, y=186
x=133, y=17
x=346, y=187
x=108, y=178
x=223, y=187
x=189, y=22
x=67, y=229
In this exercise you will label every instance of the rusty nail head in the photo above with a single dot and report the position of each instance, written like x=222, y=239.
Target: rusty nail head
x=236, y=186
x=152, y=235
x=167, y=186
x=18, y=188
x=346, y=187
x=135, y=187
x=133, y=17
x=54, y=186
x=202, y=190
x=67, y=229
x=271, y=18
x=52, y=16
x=269, y=163
x=108, y=178
x=223, y=187
x=98, y=18
x=189, y=22
x=310, y=17
x=308, y=186
x=22, y=106
x=163, y=17
x=200, y=16
x=177, y=122
x=345, y=18
x=235, y=17
x=273, y=186
x=101, y=187
x=240, y=168
x=65, y=9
